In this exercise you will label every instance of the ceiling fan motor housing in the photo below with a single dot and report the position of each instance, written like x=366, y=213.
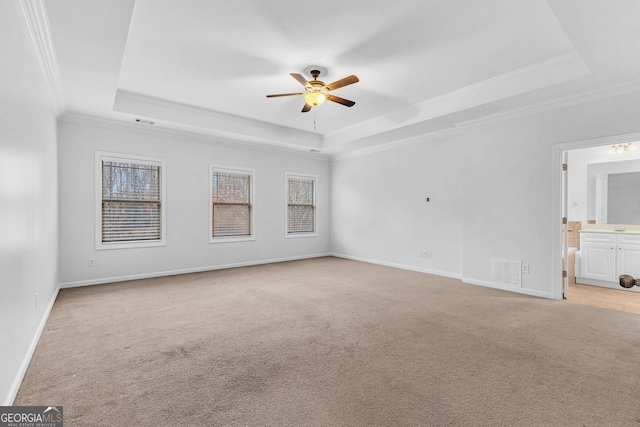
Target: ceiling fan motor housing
x=317, y=86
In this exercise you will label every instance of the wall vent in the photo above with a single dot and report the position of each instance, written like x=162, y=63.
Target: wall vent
x=506, y=272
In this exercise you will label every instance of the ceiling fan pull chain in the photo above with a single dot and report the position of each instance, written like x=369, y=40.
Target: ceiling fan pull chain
x=314, y=119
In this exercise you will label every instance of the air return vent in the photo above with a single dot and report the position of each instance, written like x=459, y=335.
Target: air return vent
x=506, y=272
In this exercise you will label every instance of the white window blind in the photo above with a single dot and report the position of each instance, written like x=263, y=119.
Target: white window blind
x=231, y=203
x=301, y=205
x=131, y=202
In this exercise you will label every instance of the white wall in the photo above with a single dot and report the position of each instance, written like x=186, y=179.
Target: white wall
x=28, y=199
x=187, y=198
x=493, y=198
x=380, y=212
x=510, y=188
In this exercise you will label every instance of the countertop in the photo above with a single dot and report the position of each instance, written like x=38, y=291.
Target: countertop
x=610, y=231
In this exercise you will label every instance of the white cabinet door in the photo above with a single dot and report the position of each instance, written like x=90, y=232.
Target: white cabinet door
x=629, y=260
x=598, y=261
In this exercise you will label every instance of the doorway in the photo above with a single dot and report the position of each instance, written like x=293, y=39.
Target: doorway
x=597, y=232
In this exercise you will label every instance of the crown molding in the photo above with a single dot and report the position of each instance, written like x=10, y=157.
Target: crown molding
x=223, y=124
x=551, y=71
x=598, y=141
x=544, y=65
x=416, y=139
x=35, y=17
x=203, y=138
x=554, y=104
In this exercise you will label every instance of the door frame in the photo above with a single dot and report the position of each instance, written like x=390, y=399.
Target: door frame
x=565, y=224
x=556, y=194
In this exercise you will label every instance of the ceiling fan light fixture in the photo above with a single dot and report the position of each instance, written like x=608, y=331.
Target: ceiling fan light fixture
x=315, y=98
x=317, y=92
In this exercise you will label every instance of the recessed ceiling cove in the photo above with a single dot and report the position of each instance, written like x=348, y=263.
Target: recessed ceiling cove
x=205, y=67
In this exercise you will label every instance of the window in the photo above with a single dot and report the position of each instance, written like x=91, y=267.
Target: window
x=231, y=204
x=301, y=205
x=130, y=194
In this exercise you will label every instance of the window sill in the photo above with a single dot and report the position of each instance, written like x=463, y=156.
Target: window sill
x=299, y=235
x=129, y=245
x=231, y=239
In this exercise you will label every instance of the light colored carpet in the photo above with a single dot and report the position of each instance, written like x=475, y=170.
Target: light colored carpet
x=331, y=342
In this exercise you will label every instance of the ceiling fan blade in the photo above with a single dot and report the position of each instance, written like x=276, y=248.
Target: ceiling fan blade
x=284, y=94
x=342, y=82
x=301, y=80
x=341, y=100
x=306, y=108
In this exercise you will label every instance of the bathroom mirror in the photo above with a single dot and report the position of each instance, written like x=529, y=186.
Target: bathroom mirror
x=614, y=192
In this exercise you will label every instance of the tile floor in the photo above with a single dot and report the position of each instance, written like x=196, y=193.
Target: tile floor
x=613, y=299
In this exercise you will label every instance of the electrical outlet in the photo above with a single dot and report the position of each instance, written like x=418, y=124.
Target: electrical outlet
x=92, y=262
x=525, y=268
x=420, y=253
x=427, y=254
x=257, y=248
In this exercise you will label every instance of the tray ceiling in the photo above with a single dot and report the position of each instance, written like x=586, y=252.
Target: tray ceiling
x=205, y=67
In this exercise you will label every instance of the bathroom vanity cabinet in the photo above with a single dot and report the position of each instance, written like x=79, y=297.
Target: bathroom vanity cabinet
x=604, y=256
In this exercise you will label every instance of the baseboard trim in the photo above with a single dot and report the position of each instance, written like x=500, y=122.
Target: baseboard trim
x=525, y=291
x=186, y=271
x=13, y=391
x=401, y=266
x=605, y=284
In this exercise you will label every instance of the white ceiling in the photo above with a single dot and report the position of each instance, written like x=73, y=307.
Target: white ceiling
x=424, y=66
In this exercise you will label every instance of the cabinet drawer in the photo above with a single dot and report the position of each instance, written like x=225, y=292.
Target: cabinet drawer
x=628, y=239
x=598, y=237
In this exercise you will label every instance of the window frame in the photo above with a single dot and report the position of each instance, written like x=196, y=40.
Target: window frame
x=232, y=169
x=101, y=156
x=298, y=235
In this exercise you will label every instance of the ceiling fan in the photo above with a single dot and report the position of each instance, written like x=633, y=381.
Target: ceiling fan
x=318, y=92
